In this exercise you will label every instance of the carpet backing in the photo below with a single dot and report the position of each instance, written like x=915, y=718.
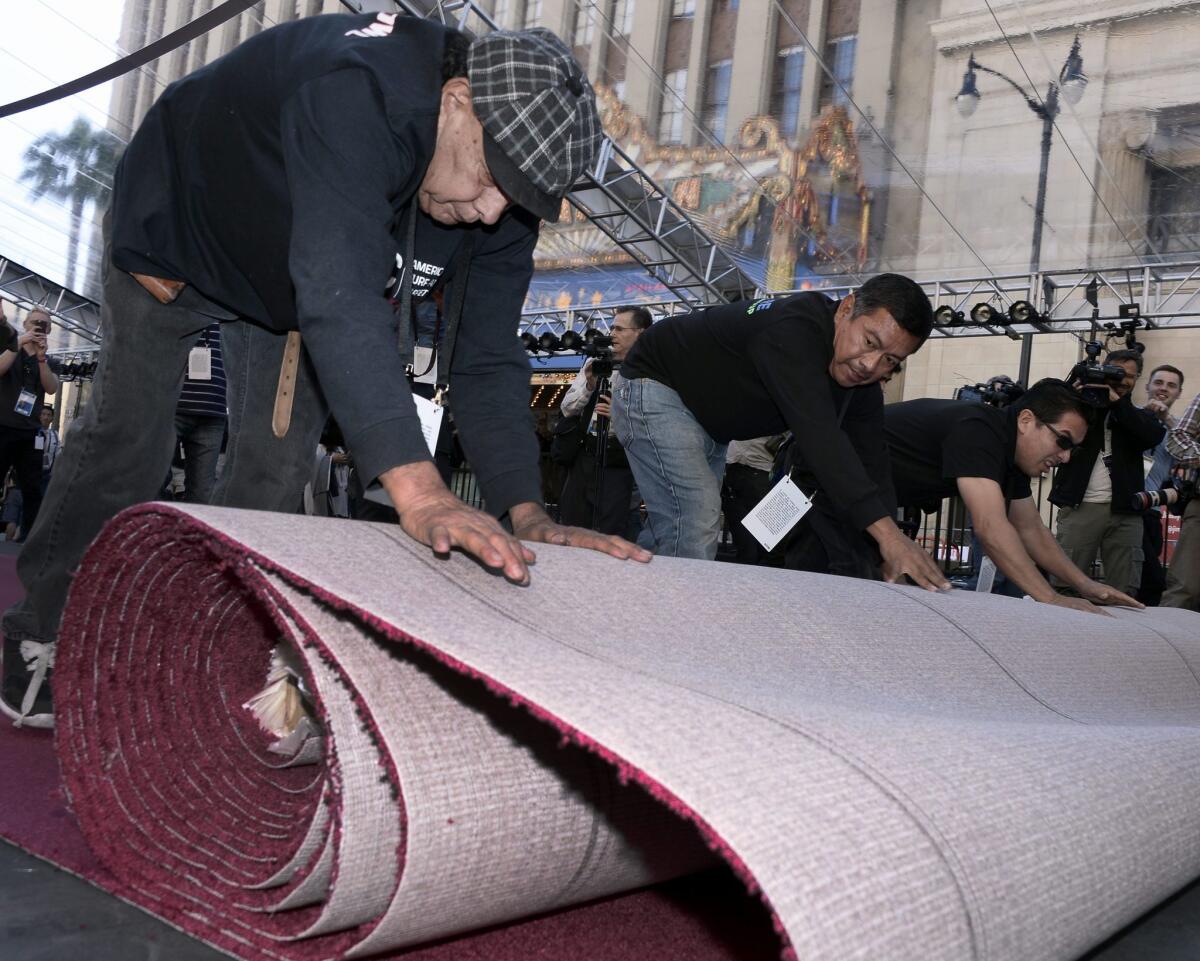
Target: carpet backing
x=893, y=774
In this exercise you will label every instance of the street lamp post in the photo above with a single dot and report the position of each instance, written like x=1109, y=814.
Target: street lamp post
x=1071, y=83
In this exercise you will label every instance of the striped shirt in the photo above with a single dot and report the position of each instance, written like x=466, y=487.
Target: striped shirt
x=206, y=398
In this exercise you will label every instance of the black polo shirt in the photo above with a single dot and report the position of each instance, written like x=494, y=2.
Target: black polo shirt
x=932, y=443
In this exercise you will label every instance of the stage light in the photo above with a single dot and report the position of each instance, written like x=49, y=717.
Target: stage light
x=947, y=316
x=981, y=313
x=1023, y=312
x=529, y=342
x=571, y=340
x=549, y=342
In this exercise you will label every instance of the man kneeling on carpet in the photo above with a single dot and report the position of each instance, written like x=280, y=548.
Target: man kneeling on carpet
x=804, y=363
x=301, y=184
x=987, y=455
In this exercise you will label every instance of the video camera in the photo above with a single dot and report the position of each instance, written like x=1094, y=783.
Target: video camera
x=1174, y=495
x=994, y=393
x=1094, y=377
x=598, y=347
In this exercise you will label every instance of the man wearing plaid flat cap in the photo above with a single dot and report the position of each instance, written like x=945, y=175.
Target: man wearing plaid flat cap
x=307, y=190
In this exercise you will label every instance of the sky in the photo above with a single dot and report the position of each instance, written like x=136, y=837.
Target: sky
x=44, y=43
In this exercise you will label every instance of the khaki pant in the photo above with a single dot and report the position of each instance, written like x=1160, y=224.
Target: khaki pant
x=1183, y=574
x=1091, y=529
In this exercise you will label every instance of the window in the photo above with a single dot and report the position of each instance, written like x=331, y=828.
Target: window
x=683, y=8
x=839, y=59
x=1174, y=224
x=585, y=23
x=500, y=14
x=785, y=90
x=622, y=17
x=670, y=120
x=716, y=99
x=533, y=14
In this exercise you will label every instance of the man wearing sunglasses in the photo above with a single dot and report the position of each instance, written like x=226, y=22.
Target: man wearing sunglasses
x=987, y=456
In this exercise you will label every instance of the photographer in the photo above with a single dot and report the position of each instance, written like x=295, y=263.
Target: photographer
x=27, y=375
x=1163, y=387
x=987, y=456
x=1095, y=489
x=1183, y=573
x=591, y=497
x=804, y=363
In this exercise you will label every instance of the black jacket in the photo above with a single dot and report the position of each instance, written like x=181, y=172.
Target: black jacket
x=274, y=180
x=1134, y=430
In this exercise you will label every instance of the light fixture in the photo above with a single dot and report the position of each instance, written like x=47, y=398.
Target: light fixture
x=1133, y=311
x=529, y=342
x=947, y=316
x=1073, y=81
x=968, y=97
x=549, y=342
x=1022, y=312
x=981, y=313
x=571, y=340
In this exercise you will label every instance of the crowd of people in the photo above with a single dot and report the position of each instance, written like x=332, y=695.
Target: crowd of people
x=338, y=218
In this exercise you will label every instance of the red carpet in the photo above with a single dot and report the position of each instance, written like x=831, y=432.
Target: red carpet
x=706, y=917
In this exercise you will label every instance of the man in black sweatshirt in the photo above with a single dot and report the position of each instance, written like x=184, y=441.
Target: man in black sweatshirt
x=298, y=187
x=803, y=363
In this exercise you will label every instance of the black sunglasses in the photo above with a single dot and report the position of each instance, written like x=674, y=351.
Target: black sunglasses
x=1061, y=438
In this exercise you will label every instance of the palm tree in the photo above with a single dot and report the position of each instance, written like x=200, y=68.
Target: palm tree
x=75, y=166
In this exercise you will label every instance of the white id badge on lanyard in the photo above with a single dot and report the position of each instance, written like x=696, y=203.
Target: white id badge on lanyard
x=39, y=442
x=424, y=366
x=200, y=363
x=25, y=403
x=777, y=513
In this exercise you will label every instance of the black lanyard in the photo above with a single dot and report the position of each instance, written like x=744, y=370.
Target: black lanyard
x=453, y=309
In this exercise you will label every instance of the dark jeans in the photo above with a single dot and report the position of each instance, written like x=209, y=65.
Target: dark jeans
x=743, y=488
x=17, y=451
x=107, y=466
x=1154, y=575
x=201, y=438
x=581, y=504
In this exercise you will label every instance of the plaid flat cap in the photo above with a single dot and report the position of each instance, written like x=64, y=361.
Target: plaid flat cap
x=538, y=111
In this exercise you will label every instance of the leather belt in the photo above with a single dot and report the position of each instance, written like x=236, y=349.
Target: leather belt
x=285, y=394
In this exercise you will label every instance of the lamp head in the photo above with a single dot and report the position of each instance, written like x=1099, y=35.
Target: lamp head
x=1073, y=81
x=1022, y=312
x=968, y=97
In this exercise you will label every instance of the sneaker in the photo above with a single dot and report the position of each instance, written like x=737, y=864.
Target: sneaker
x=25, y=695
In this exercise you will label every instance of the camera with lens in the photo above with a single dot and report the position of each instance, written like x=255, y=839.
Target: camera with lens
x=994, y=393
x=598, y=347
x=1095, y=378
x=1174, y=495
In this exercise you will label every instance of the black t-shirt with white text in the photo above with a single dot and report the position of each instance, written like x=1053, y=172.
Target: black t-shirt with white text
x=24, y=374
x=934, y=442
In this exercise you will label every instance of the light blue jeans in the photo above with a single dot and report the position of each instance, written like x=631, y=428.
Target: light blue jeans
x=677, y=465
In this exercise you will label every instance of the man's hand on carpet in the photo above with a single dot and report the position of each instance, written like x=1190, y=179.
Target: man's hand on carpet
x=531, y=523
x=1077, y=604
x=1099, y=593
x=432, y=515
x=904, y=557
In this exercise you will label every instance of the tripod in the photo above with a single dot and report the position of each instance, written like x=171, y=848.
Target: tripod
x=603, y=389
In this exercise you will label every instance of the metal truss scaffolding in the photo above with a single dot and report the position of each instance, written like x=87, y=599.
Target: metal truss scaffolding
x=620, y=199
x=1166, y=297
x=73, y=313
